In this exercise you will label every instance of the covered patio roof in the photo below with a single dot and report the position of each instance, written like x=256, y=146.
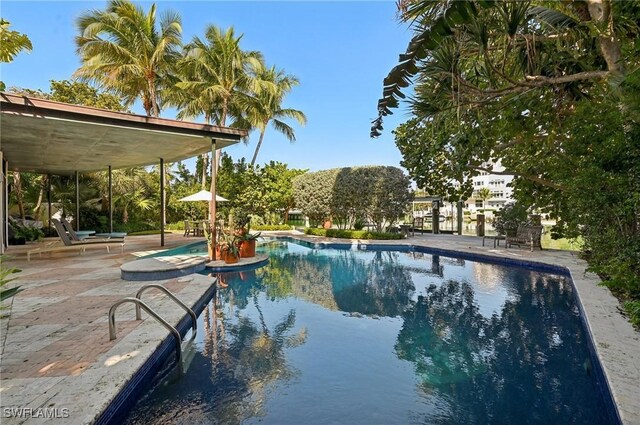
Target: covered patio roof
x=57, y=138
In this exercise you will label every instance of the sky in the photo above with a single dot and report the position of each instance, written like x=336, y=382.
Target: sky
x=339, y=50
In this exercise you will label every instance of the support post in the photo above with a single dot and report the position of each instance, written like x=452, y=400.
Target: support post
x=163, y=211
x=4, y=241
x=435, y=217
x=460, y=205
x=49, y=204
x=212, y=202
x=77, y=202
x=110, y=201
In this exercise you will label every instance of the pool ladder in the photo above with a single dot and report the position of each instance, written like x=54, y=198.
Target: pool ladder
x=140, y=305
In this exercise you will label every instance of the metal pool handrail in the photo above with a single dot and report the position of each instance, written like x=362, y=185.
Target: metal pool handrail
x=194, y=319
x=152, y=313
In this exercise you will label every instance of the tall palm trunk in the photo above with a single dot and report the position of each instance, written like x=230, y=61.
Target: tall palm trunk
x=255, y=154
x=152, y=94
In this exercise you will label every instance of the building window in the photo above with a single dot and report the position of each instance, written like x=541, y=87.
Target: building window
x=478, y=203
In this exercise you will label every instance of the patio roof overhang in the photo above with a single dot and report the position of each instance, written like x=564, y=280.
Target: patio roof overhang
x=57, y=138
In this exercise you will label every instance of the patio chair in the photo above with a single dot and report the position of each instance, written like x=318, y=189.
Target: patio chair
x=70, y=245
x=418, y=224
x=188, y=229
x=526, y=235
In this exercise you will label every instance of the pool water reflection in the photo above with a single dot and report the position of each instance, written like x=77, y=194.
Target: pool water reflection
x=379, y=337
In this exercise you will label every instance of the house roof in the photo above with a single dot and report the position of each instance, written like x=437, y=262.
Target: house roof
x=57, y=138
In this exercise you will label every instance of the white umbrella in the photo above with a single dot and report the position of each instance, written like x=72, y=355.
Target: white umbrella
x=203, y=195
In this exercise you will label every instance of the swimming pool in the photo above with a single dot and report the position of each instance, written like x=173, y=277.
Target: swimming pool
x=382, y=337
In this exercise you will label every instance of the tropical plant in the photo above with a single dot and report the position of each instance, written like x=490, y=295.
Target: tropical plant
x=483, y=51
x=265, y=106
x=484, y=193
x=11, y=43
x=229, y=244
x=124, y=50
x=214, y=75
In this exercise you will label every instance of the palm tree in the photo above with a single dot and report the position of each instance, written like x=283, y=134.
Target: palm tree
x=11, y=43
x=484, y=194
x=215, y=74
x=124, y=51
x=266, y=106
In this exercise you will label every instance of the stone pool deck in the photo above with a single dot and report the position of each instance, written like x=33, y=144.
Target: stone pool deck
x=56, y=352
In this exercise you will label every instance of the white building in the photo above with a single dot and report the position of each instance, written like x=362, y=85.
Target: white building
x=501, y=193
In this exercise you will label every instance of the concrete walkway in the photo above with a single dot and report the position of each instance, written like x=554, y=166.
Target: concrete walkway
x=57, y=358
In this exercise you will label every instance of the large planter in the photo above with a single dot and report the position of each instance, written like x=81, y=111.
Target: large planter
x=248, y=248
x=210, y=250
x=230, y=258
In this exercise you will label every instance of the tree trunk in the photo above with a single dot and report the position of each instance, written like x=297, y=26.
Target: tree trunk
x=17, y=187
x=255, y=154
x=36, y=209
x=152, y=95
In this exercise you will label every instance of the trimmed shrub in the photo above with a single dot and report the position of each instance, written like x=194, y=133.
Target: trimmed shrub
x=379, y=195
x=353, y=234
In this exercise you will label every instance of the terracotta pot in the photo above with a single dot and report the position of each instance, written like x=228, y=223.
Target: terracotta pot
x=230, y=258
x=248, y=249
x=210, y=250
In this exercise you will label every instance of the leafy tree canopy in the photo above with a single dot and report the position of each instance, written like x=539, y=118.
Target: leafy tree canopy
x=551, y=89
x=75, y=93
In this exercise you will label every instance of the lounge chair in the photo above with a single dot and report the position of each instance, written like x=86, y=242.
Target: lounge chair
x=81, y=238
x=70, y=245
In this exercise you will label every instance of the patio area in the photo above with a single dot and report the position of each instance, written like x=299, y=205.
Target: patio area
x=56, y=352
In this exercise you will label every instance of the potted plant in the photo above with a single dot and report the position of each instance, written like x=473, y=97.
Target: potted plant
x=248, y=244
x=230, y=253
x=229, y=249
x=211, y=245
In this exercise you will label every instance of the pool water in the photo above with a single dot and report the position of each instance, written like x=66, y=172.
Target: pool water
x=380, y=337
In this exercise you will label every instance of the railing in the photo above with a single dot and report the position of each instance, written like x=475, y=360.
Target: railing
x=139, y=304
x=194, y=319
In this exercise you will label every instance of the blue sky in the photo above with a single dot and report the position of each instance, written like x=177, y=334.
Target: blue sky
x=340, y=51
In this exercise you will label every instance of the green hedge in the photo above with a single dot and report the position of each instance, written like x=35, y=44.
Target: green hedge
x=268, y=227
x=175, y=226
x=353, y=234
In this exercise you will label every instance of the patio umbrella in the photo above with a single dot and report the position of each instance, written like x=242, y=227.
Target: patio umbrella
x=203, y=195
